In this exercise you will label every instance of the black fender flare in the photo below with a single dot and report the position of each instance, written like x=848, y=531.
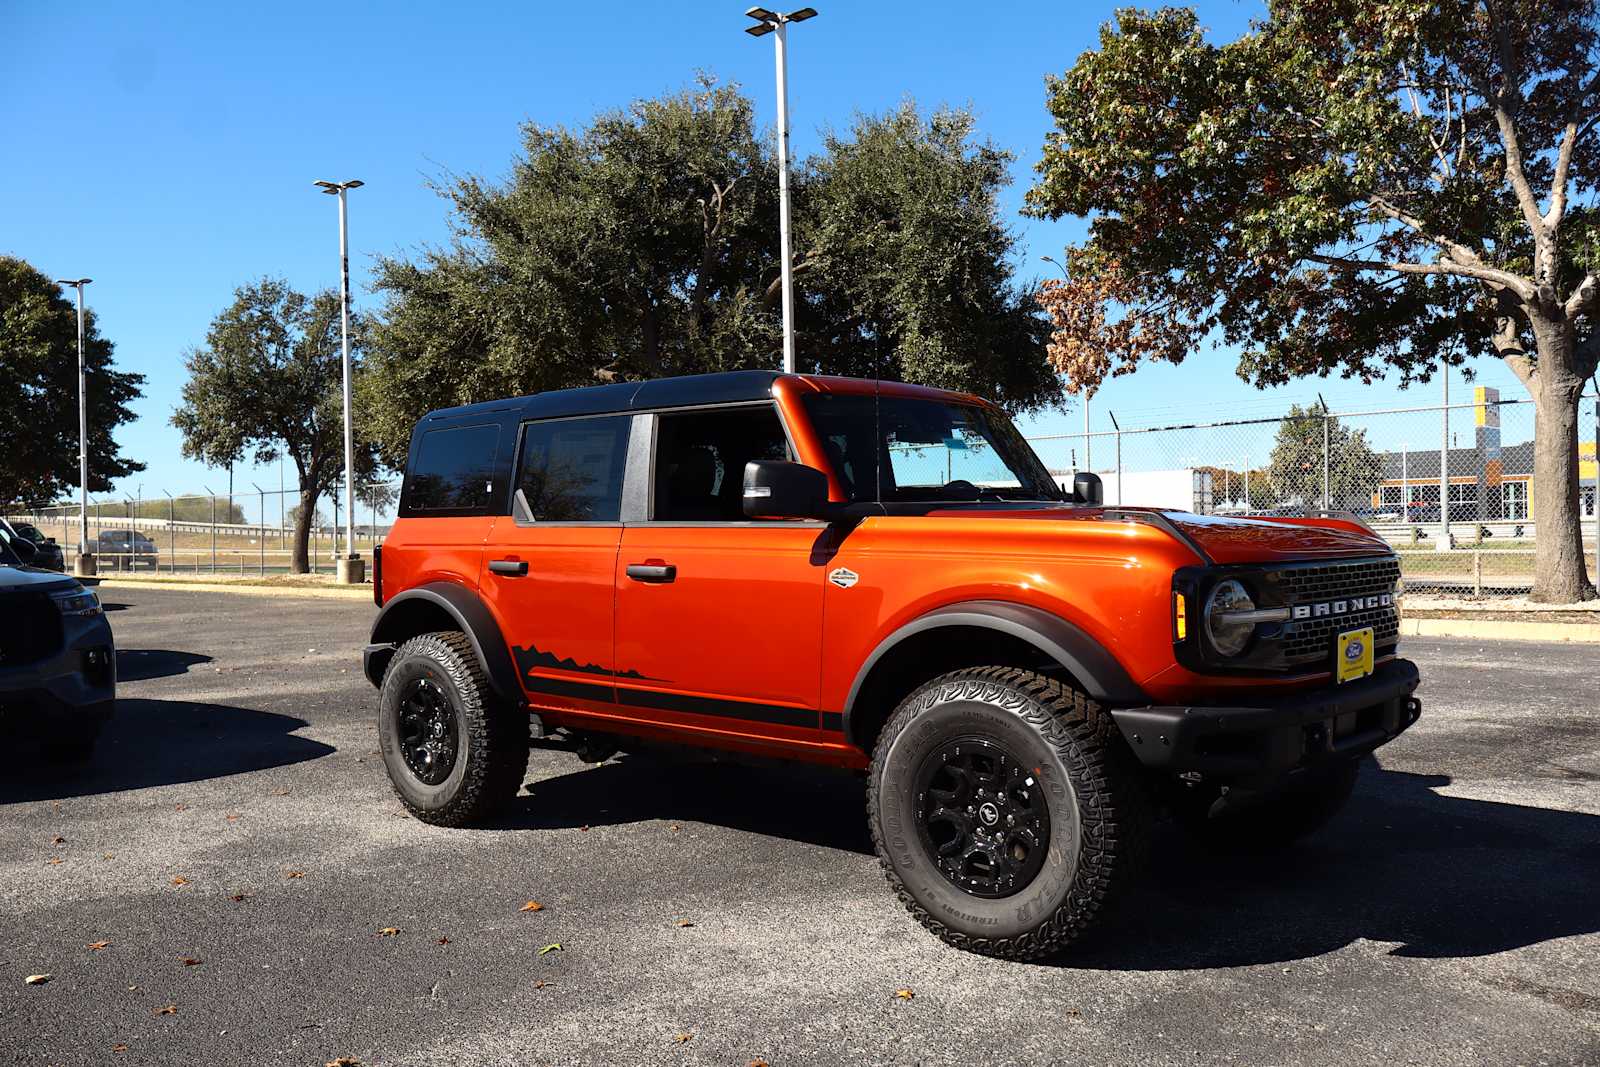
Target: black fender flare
x=472, y=618
x=1086, y=659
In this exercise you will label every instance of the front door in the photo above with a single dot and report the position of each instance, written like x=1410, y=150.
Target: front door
x=719, y=618
x=549, y=566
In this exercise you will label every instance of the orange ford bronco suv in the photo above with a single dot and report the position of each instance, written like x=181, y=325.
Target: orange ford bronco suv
x=880, y=577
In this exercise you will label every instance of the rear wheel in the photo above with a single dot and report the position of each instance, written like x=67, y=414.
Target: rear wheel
x=1266, y=821
x=455, y=752
x=1005, y=811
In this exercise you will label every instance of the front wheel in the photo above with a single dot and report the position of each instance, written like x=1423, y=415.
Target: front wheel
x=1005, y=811
x=455, y=752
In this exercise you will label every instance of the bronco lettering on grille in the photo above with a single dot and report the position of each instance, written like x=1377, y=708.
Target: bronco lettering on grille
x=1343, y=607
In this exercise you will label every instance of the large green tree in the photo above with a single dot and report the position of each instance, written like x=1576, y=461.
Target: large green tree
x=1306, y=440
x=1353, y=186
x=39, y=391
x=646, y=244
x=268, y=382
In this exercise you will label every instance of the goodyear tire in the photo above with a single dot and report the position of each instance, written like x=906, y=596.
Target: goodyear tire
x=1268, y=821
x=455, y=752
x=1006, y=811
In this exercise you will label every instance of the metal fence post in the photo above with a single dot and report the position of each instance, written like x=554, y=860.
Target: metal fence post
x=213, y=532
x=1444, y=464
x=1118, y=427
x=262, y=529
x=1327, y=422
x=1477, y=573
x=172, y=534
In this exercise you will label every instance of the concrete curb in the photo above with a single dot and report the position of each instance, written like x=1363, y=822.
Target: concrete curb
x=1502, y=630
x=352, y=592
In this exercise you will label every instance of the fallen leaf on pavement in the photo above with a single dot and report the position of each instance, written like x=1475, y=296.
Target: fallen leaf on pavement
x=551, y=948
x=170, y=1009
x=540, y=984
x=280, y=792
x=119, y=1047
x=191, y=961
x=180, y=807
x=685, y=923
x=532, y=905
x=442, y=941
x=294, y=874
x=37, y=979
x=233, y=818
x=240, y=898
x=179, y=879
x=96, y=946
x=681, y=1038
x=904, y=994
x=675, y=828
x=388, y=931
x=757, y=1063
x=344, y=1061
x=55, y=861
x=108, y=856
x=58, y=840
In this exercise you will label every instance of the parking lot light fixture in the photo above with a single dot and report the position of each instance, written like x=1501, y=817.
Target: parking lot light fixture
x=348, y=567
x=776, y=24
x=85, y=562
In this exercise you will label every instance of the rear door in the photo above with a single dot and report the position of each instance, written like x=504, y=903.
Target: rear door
x=719, y=618
x=549, y=565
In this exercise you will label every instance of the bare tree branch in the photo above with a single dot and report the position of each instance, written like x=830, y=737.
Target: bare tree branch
x=1505, y=103
x=1579, y=301
x=1499, y=278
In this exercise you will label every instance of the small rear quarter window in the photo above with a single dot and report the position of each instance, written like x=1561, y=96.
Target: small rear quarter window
x=452, y=472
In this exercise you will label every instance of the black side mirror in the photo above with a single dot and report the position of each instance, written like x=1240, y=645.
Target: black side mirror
x=24, y=549
x=1087, y=488
x=49, y=540
x=776, y=489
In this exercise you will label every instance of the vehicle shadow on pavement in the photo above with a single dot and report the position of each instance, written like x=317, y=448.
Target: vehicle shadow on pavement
x=143, y=664
x=816, y=806
x=165, y=742
x=1438, y=876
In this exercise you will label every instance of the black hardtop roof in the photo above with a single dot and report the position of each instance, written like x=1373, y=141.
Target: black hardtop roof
x=724, y=388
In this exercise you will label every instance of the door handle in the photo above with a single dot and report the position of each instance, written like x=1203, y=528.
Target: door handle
x=652, y=572
x=511, y=568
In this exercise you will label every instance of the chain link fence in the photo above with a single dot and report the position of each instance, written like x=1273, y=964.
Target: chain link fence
x=1451, y=488
x=246, y=533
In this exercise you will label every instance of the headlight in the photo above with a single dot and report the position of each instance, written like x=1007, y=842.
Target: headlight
x=77, y=602
x=1227, y=623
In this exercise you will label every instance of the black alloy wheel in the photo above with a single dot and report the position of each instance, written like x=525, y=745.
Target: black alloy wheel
x=428, y=736
x=982, y=817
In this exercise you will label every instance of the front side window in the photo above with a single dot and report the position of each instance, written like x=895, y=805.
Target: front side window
x=571, y=470
x=452, y=471
x=700, y=458
x=907, y=449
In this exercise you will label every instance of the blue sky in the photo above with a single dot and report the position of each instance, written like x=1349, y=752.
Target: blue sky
x=168, y=151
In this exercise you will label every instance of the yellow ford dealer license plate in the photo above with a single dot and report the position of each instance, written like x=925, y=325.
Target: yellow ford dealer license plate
x=1353, y=655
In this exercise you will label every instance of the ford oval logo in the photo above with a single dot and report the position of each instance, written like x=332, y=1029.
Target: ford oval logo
x=1354, y=650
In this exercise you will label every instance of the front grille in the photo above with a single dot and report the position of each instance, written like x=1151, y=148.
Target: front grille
x=1311, y=640
x=30, y=628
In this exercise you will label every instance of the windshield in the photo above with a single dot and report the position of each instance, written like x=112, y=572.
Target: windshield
x=902, y=449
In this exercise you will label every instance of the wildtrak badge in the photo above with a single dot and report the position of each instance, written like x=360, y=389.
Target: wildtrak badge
x=1330, y=608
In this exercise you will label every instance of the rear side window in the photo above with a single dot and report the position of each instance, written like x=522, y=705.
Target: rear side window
x=571, y=470
x=452, y=472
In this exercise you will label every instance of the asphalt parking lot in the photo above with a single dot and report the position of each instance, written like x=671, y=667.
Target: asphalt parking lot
x=237, y=815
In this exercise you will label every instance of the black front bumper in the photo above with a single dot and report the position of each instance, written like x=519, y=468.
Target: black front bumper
x=67, y=695
x=1272, y=737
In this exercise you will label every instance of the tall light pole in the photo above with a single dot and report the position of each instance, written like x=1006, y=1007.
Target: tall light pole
x=772, y=22
x=85, y=562
x=348, y=568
